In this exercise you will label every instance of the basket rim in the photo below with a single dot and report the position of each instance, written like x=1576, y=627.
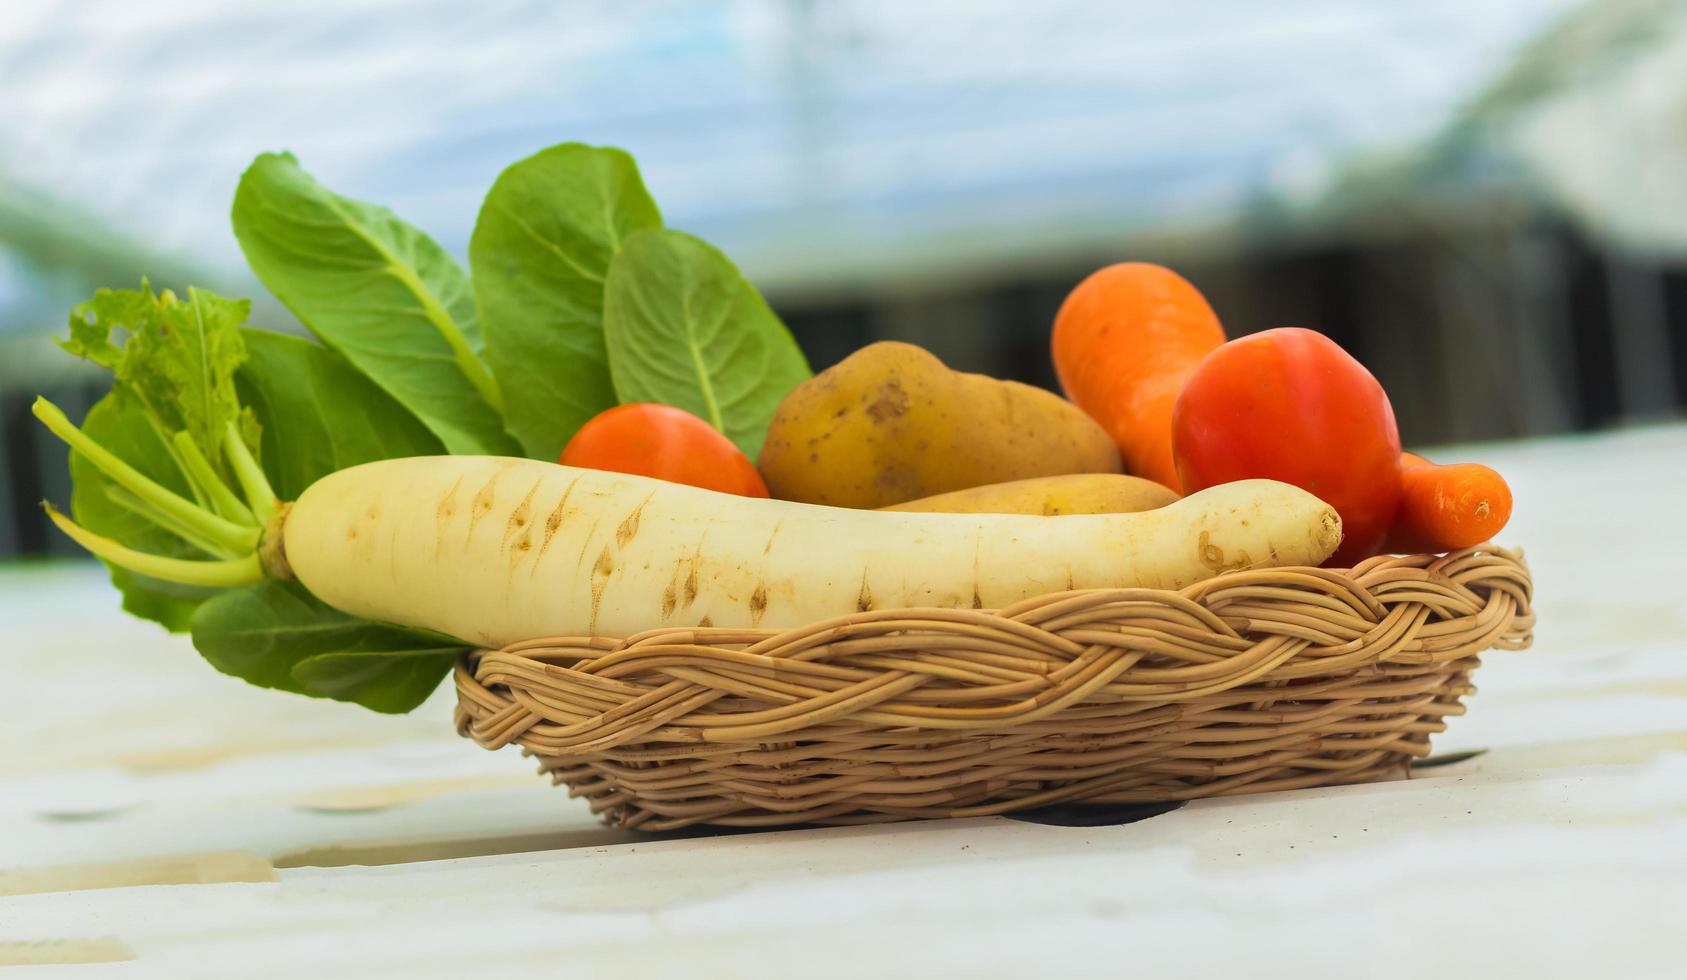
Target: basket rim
x=1282, y=625
x=1372, y=571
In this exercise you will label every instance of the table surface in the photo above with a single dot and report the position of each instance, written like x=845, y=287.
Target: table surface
x=160, y=819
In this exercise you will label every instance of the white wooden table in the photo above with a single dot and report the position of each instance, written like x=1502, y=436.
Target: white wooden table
x=159, y=819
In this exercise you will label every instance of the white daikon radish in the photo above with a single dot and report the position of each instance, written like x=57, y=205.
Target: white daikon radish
x=493, y=550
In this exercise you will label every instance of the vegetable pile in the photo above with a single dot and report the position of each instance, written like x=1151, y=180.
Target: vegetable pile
x=579, y=300
x=345, y=517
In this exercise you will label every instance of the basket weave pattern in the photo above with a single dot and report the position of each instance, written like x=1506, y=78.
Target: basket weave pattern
x=1248, y=682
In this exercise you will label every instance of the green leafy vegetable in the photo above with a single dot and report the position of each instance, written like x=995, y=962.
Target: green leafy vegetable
x=92, y=323
x=176, y=362
x=320, y=414
x=377, y=290
x=167, y=420
x=395, y=674
x=277, y=635
x=154, y=468
x=685, y=328
x=584, y=299
x=540, y=253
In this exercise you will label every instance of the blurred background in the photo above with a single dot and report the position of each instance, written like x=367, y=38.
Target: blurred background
x=1485, y=202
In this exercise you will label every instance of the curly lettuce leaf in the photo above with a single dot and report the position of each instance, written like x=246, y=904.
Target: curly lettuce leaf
x=175, y=358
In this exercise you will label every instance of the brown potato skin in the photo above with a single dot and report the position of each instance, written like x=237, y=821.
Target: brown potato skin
x=1051, y=496
x=891, y=423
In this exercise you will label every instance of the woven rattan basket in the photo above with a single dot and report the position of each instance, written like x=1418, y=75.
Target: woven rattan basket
x=1248, y=682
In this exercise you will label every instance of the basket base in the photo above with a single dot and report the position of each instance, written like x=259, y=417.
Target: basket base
x=616, y=807
x=1131, y=754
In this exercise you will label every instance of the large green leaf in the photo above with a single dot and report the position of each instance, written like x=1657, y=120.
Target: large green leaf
x=122, y=426
x=319, y=414
x=277, y=635
x=398, y=673
x=378, y=291
x=685, y=328
x=540, y=253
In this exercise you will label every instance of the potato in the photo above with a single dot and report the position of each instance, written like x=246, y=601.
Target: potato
x=1076, y=493
x=890, y=423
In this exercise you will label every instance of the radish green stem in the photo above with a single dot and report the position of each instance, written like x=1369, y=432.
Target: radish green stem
x=227, y=533
x=153, y=515
x=212, y=574
x=199, y=473
x=163, y=435
x=259, y=494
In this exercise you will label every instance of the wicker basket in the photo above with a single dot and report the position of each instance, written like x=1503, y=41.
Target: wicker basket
x=1248, y=682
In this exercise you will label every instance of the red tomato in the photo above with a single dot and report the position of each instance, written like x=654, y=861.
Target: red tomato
x=664, y=442
x=1290, y=405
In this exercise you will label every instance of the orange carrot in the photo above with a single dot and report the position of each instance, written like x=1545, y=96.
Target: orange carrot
x=1125, y=340
x=1444, y=508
